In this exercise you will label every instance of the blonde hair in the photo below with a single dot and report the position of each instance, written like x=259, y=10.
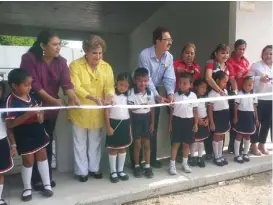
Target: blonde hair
x=93, y=42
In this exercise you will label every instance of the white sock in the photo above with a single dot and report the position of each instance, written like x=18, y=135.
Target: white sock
x=1, y=190
x=193, y=148
x=185, y=160
x=200, y=146
x=113, y=164
x=121, y=161
x=26, y=177
x=215, y=149
x=146, y=166
x=44, y=172
x=237, y=148
x=172, y=162
x=220, y=148
x=246, y=146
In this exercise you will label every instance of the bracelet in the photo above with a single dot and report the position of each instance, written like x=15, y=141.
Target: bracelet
x=13, y=146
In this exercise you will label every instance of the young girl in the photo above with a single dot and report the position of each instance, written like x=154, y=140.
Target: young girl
x=218, y=112
x=245, y=120
x=117, y=122
x=183, y=123
x=29, y=132
x=200, y=87
x=7, y=145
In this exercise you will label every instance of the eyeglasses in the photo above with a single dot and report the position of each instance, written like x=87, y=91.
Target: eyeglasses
x=167, y=39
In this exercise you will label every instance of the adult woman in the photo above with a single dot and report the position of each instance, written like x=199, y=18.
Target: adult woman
x=262, y=73
x=186, y=63
x=49, y=72
x=218, y=62
x=93, y=81
x=240, y=66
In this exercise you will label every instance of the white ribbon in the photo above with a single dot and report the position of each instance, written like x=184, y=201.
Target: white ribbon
x=211, y=99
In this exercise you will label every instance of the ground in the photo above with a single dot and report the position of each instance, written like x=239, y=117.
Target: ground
x=251, y=190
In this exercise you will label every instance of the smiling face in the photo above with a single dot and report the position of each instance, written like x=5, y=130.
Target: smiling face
x=222, y=55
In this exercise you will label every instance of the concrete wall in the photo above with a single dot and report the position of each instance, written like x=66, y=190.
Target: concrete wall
x=204, y=23
x=255, y=27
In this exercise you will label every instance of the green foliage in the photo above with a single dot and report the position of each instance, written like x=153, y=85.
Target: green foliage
x=16, y=41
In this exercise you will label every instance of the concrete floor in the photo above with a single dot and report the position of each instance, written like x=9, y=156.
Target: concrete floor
x=71, y=192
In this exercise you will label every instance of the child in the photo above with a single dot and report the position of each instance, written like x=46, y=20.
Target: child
x=142, y=120
x=200, y=87
x=245, y=120
x=117, y=122
x=218, y=112
x=183, y=122
x=29, y=132
x=7, y=147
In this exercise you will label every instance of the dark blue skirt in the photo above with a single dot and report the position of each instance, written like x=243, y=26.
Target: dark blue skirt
x=6, y=162
x=221, y=121
x=246, y=123
x=202, y=133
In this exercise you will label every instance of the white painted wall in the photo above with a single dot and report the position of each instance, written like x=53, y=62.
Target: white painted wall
x=255, y=27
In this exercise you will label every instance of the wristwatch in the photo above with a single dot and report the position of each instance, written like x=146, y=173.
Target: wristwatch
x=13, y=146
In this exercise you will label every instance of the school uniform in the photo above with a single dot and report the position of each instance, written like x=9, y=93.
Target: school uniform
x=220, y=113
x=246, y=118
x=183, y=118
x=140, y=118
x=203, y=131
x=120, y=122
x=30, y=136
x=6, y=162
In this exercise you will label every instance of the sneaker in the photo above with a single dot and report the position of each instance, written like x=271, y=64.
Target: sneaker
x=246, y=158
x=192, y=161
x=224, y=160
x=172, y=170
x=239, y=159
x=137, y=172
x=218, y=162
x=186, y=168
x=201, y=162
x=148, y=172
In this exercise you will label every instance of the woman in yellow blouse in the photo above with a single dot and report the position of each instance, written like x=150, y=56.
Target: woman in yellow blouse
x=93, y=83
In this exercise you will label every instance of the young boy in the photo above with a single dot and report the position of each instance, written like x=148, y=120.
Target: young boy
x=183, y=122
x=142, y=120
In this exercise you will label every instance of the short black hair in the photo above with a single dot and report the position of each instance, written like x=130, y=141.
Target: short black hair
x=187, y=75
x=157, y=33
x=239, y=42
x=248, y=78
x=199, y=82
x=141, y=72
x=125, y=76
x=17, y=76
x=219, y=75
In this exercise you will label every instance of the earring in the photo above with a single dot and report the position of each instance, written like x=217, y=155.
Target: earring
x=43, y=52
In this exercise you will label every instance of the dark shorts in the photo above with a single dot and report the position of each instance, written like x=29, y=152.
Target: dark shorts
x=6, y=162
x=141, y=125
x=30, y=138
x=246, y=123
x=221, y=121
x=182, y=130
x=122, y=137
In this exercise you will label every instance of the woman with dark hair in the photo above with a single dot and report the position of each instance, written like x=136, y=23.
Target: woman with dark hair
x=218, y=62
x=240, y=66
x=49, y=72
x=262, y=73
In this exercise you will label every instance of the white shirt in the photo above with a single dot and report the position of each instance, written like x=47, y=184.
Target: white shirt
x=184, y=110
x=246, y=104
x=220, y=104
x=257, y=70
x=202, y=110
x=119, y=113
x=3, y=129
x=137, y=98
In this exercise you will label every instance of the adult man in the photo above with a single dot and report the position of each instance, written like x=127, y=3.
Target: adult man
x=159, y=62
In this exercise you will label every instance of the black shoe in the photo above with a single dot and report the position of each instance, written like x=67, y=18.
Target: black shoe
x=26, y=198
x=239, y=159
x=208, y=156
x=156, y=164
x=124, y=176
x=149, y=172
x=201, y=162
x=38, y=186
x=83, y=178
x=3, y=202
x=96, y=175
x=192, y=161
x=218, y=162
x=114, y=179
x=137, y=172
x=224, y=160
x=246, y=158
x=53, y=183
x=47, y=192
x=230, y=150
